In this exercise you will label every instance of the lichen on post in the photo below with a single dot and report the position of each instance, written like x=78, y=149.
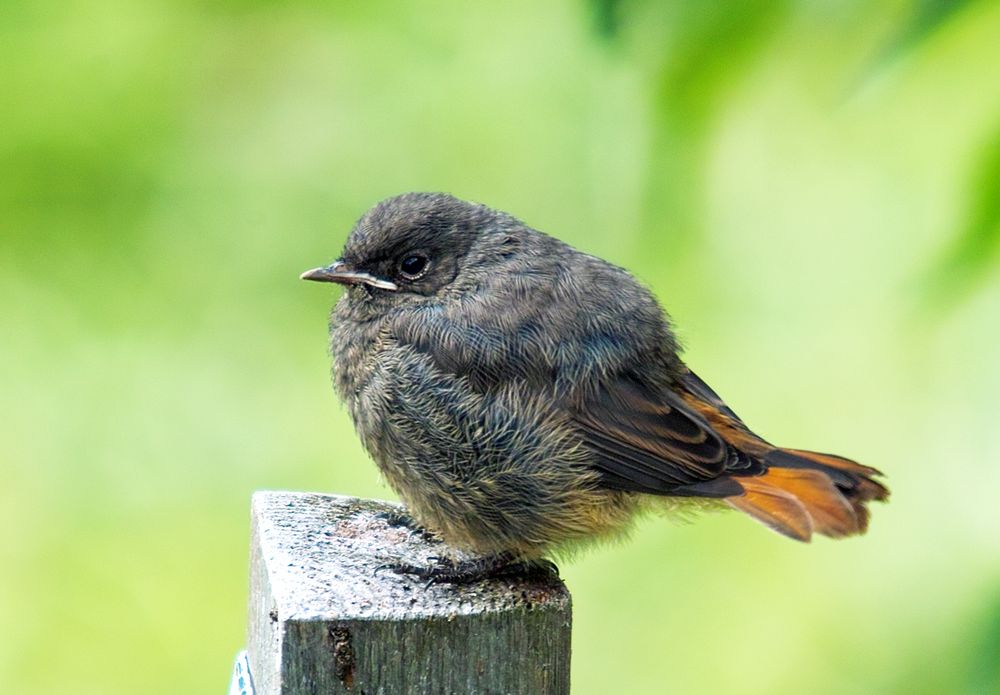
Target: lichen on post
x=323, y=617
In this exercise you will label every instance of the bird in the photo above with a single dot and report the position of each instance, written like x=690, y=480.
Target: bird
x=524, y=398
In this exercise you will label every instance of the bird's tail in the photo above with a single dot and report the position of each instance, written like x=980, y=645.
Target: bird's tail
x=804, y=492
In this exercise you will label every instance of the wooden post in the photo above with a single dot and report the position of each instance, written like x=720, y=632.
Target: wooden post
x=323, y=620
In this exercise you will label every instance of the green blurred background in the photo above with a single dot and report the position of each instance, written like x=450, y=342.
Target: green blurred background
x=812, y=189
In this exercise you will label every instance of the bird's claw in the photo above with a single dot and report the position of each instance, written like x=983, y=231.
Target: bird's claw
x=443, y=570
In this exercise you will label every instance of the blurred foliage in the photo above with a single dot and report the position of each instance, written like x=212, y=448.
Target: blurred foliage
x=983, y=673
x=925, y=18
x=790, y=177
x=974, y=250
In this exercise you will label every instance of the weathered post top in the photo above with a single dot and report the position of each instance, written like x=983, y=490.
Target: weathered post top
x=323, y=619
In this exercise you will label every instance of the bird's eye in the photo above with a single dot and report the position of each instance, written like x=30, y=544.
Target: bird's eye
x=413, y=266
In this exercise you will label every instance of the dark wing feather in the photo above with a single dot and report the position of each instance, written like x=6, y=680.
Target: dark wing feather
x=648, y=440
x=705, y=393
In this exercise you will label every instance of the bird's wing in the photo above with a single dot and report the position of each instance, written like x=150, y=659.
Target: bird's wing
x=649, y=440
x=693, y=384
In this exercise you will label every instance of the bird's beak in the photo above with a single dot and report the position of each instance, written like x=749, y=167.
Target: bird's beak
x=343, y=274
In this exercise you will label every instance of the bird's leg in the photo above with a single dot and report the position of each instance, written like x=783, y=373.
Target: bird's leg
x=400, y=519
x=447, y=571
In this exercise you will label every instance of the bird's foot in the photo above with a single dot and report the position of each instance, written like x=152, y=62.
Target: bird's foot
x=447, y=571
x=400, y=519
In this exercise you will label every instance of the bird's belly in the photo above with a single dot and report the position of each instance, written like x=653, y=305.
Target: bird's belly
x=489, y=472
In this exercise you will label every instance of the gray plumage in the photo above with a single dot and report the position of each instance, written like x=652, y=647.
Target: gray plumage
x=520, y=395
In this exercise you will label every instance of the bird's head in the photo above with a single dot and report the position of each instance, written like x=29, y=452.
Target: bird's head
x=413, y=246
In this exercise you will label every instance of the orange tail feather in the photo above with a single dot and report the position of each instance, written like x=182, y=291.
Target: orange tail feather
x=804, y=492
x=775, y=508
x=801, y=492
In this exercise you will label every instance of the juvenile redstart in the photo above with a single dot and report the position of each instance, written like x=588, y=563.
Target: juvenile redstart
x=521, y=395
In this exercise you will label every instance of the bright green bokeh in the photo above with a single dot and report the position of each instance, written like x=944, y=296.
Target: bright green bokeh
x=811, y=188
